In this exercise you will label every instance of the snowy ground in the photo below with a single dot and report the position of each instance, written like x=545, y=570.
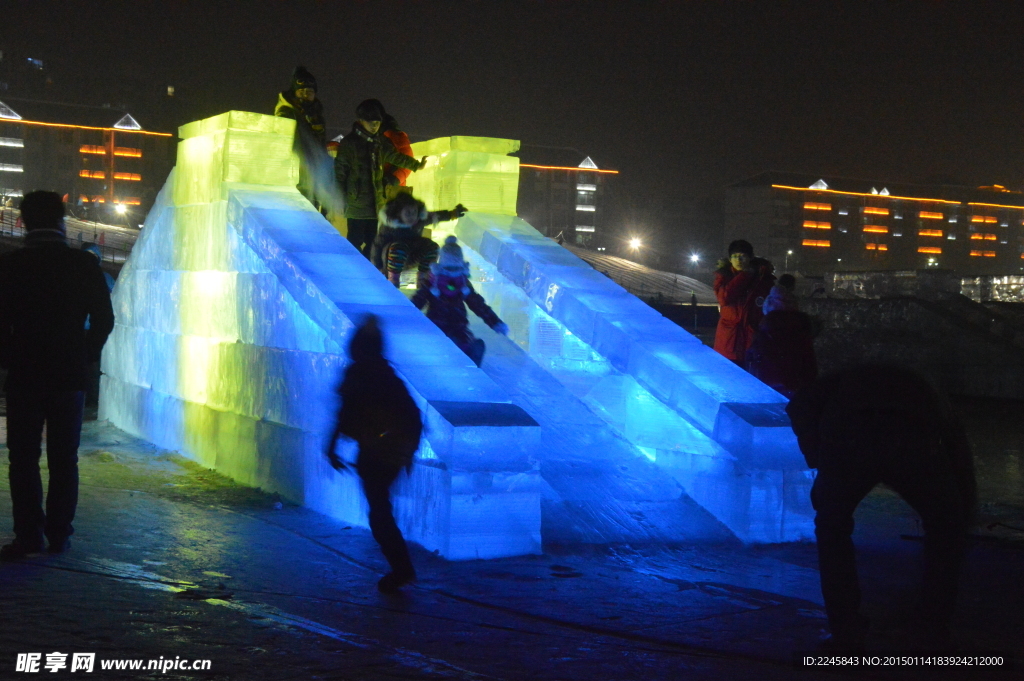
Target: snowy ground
x=171, y=560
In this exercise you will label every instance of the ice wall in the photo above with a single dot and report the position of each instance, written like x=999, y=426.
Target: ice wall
x=720, y=432
x=233, y=312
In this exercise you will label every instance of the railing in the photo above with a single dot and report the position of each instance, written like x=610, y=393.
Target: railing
x=114, y=243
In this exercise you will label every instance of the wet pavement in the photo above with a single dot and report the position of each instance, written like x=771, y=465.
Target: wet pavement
x=171, y=560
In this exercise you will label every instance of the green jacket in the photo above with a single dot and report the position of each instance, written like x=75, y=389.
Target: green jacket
x=359, y=169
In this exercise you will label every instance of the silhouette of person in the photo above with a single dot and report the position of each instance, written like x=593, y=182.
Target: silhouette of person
x=380, y=415
x=873, y=424
x=782, y=354
x=47, y=290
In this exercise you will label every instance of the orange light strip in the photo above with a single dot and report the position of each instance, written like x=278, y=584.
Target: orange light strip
x=871, y=210
x=22, y=121
x=928, y=215
x=93, y=174
x=871, y=247
x=817, y=244
x=129, y=202
x=874, y=196
x=995, y=205
x=883, y=247
x=582, y=170
x=128, y=151
x=929, y=249
x=983, y=218
x=818, y=206
x=811, y=224
x=876, y=229
x=929, y=232
x=985, y=237
x=985, y=254
x=92, y=149
x=134, y=177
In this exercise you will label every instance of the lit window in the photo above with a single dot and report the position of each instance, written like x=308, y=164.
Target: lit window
x=134, y=177
x=94, y=174
x=584, y=187
x=930, y=232
x=983, y=218
x=843, y=211
x=951, y=236
x=11, y=142
x=952, y=219
x=929, y=249
x=584, y=228
x=928, y=215
x=983, y=254
x=818, y=206
x=130, y=202
x=811, y=224
x=92, y=149
x=816, y=244
x=983, y=237
x=871, y=247
x=128, y=151
x=871, y=210
x=588, y=209
x=11, y=168
x=876, y=229
x=883, y=247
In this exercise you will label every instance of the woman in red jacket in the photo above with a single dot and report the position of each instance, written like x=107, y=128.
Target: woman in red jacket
x=741, y=286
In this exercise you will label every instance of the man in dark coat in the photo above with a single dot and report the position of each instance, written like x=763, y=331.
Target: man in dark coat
x=880, y=424
x=741, y=285
x=359, y=170
x=380, y=415
x=47, y=292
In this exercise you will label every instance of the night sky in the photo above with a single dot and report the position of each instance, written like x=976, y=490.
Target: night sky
x=682, y=98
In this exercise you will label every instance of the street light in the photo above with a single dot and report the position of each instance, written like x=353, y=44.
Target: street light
x=788, y=253
x=121, y=209
x=635, y=243
x=694, y=258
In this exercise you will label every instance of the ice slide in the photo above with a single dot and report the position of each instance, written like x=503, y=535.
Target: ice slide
x=235, y=306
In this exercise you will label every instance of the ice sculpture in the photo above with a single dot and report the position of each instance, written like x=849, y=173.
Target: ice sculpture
x=723, y=434
x=232, y=315
x=235, y=307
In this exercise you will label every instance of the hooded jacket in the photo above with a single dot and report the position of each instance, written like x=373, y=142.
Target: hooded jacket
x=359, y=169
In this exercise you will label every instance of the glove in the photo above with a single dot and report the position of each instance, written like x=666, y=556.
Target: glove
x=458, y=211
x=502, y=328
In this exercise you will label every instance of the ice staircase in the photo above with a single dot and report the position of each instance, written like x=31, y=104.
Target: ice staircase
x=235, y=306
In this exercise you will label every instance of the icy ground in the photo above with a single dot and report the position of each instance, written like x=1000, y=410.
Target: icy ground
x=174, y=560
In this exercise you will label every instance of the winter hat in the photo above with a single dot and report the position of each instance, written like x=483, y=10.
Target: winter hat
x=301, y=78
x=367, y=342
x=42, y=210
x=741, y=246
x=370, y=110
x=450, y=257
x=780, y=298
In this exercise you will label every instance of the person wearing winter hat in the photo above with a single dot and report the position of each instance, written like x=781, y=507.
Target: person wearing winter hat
x=446, y=293
x=400, y=243
x=394, y=176
x=782, y=353
x=359, y=171
x=741, y=284
x=380, y=415
x=300, y=103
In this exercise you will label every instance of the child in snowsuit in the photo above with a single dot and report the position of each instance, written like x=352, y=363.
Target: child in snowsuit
x=380, y=415
x=446, y=293
x=400, y=242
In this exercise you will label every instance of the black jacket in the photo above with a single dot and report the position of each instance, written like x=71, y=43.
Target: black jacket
x=309, y=116
x=46, y=292
x=379, y=414
x=359, y=169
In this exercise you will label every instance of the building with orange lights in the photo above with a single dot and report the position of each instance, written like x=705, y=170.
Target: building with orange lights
x=815, y=225
x=559, y=194
x=99, y=158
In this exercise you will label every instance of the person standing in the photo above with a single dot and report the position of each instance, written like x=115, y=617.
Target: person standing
x=47, y=291
x=872, y=424
x=380, y=415
x=741, y=285
x=359, y=170
x=782, y=353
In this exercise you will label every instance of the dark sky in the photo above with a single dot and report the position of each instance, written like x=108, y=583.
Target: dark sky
x=682, y=97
